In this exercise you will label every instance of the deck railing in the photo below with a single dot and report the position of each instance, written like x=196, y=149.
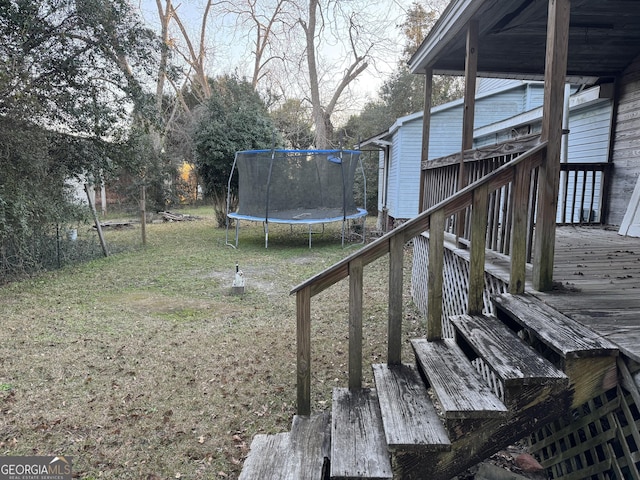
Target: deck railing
x=582, y=193
x=516, y=174
x=580, y=199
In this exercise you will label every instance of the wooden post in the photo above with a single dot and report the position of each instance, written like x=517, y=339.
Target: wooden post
x=435, y=275
x=355, y=324
x=470, y=74
x=143, y=214
x=478, y=239
x=426, y=128
x=519, y=226
x=396, y=256
x=303, y=334
x=96, y=220
x=554, y=80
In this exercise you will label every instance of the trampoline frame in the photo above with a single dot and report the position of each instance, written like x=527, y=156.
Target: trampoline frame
x=361, y=212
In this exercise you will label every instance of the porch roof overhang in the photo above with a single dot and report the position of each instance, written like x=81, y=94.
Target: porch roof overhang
x=603, y=39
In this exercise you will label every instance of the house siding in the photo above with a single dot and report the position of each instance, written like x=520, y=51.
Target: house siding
x=445, y=133
x=497, y=100
x=626, y=144
x=405, y=170
x=486, y=85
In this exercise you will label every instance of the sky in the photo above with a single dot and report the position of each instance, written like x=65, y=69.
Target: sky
x=231, y=52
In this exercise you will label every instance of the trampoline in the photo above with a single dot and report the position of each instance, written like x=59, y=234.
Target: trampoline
x=296, y=187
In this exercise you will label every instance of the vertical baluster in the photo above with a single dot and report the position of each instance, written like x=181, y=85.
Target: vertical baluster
x=592, y=206
x=533, y=208
x=565, y=196
x=574, y=196
x=582, y=196
x=355, y=324
x=303, y=315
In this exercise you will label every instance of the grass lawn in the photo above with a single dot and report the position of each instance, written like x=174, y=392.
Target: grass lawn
x=142, y=365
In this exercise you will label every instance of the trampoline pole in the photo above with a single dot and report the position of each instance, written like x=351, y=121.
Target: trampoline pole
x=237, y=230
x=309, y=235
x=266, y=234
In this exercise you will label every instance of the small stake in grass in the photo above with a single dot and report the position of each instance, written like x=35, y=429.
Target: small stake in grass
x=237, y=287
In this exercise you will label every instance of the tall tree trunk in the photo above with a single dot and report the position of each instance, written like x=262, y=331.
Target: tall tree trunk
x=321, y=135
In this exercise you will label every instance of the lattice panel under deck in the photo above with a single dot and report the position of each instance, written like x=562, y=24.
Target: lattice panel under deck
x=599, y=440
x=455, y=290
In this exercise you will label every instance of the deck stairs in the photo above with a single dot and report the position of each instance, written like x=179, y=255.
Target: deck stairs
x=465, y=398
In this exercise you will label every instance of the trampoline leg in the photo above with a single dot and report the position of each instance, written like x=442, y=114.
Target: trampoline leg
x=364, y=230
x=343, y=222
x=266, y=234
x=237, y=230
x=309, y=235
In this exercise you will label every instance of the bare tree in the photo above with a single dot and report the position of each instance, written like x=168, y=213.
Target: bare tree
x=358, y=39
x=267, y=24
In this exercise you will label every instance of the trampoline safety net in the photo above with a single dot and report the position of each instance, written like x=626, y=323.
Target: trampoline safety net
x=296, y=186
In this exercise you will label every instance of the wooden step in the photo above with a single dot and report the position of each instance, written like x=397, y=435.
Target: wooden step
x=515, y=363
x=565, y=336
x=358, y=446
x=460, y=390
x=301, y=453
x=411, y=422
x=588, y=359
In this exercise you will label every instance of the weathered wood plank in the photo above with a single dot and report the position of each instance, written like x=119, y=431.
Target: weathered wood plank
x=563, y=335
x=302, y=453
x=310, y=437
x=269, y=455
x=435, y=276
x=411, y=422
x=458, y=387
x=510, y=358
x=519, y=207
x=303, y=351
x=358, y=446
x=478, y=240
x=396, y=257
x=588, y=359
x=506, y=148
x=355, y=324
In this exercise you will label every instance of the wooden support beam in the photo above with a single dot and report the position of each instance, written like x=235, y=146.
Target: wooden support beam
x=426, y=128
x=478, y=240
x=355, y=324
x=470, y=74
x=435, y=275
x=396, y=257
x=549, y=180
x=303, y=310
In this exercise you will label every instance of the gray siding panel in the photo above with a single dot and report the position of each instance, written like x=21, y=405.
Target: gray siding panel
x=626, y=144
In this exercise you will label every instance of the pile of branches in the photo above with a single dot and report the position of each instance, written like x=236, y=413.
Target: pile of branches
x=177, y=217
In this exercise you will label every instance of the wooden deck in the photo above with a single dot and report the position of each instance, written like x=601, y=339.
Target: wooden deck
x=600, y=275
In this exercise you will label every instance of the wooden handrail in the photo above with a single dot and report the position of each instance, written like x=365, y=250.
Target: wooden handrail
x=392, y=242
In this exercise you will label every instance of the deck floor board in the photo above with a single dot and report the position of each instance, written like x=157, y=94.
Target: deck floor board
x=599, y=274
